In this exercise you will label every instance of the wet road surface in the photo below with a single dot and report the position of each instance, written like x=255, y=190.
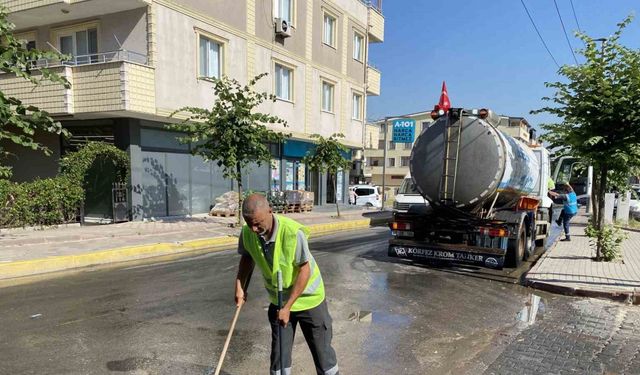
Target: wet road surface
x=390, y=317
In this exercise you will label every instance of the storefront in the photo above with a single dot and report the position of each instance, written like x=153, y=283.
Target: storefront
x=167, y=180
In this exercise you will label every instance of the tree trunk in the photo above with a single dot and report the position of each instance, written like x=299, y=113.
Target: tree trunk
x=599, y=223
x=335, y=192
x=239, y=181
x=595, y=198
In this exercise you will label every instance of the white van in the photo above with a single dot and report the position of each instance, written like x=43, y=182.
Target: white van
x=365, y=195
x=407, y=196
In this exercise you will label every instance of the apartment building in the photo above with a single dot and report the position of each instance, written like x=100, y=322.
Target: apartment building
x=136, y=61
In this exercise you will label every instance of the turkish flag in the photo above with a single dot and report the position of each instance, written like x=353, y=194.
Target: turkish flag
x=444, y=103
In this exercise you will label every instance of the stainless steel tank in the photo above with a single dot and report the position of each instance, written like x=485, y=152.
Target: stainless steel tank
x=488, y=162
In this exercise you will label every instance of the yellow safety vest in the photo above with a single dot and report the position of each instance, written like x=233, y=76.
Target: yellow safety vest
x=284, y=252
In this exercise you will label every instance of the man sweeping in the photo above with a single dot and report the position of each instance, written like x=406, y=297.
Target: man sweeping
x=276, y=243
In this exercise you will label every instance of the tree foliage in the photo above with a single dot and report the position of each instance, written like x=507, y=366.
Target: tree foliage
x=598, y=103
x=49, y=201
x=19, y=121
x=231, y=132
x=76, y=165
x=327, y=156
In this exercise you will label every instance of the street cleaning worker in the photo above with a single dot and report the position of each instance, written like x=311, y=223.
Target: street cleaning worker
x=273, y=243
x=569, y=209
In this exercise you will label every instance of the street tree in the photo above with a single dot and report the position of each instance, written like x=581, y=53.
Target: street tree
x=327, y=156
x=18, y=121
x=231, y=132
x=598, y=104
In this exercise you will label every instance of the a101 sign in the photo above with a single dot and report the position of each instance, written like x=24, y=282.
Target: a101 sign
x=404, y=130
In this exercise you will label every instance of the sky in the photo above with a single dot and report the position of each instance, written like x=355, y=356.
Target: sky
x=487, y=51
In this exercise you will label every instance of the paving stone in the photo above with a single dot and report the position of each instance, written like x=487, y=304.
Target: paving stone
x=569, y=266
x=585, y=337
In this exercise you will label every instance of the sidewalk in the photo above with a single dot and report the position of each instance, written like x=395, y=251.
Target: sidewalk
x=25, y=252
x=568, y=268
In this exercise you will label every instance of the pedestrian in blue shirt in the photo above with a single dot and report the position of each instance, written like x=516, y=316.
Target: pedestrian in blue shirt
x=569, y=209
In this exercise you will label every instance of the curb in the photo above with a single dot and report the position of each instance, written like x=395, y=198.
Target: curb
x=619, y=296
x=39, y=266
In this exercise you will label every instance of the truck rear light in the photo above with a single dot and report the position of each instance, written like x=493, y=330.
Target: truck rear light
x=494, y=232
x=400, y=225
x=527, y=204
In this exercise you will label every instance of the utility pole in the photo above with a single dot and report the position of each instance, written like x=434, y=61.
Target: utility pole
x=384, y=162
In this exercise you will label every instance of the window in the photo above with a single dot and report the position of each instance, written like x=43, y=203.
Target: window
x=357, y=107
x=376, y=162
x=404, y=161
x=284, y=82
x=364, y=191
x=284, y=9
x=425, y=124
x=392, y=145
x=329, y=31
x=408, y=187
x=80, y=43
x=28, y=40
x=392, y=162
x=327, y=96
x=408, y=146
x=210, y=58
x=381, y=144
x=358, y=44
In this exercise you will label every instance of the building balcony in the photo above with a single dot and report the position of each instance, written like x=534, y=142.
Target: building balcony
x=33, y=13
x=376, y=24
x=377, y=170
x=373, y=81
x=104, y=82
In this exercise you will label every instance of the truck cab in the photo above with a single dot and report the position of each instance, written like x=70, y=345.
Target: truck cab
x=408, y=196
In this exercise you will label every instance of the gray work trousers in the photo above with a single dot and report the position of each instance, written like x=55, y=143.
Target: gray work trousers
x=316, y=327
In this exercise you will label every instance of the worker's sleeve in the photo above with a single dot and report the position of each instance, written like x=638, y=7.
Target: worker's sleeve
x=303, y=255
x=241, y=249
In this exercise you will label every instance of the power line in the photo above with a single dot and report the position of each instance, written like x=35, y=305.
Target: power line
x=564, y=30
x=539, y=35
x=575, y=17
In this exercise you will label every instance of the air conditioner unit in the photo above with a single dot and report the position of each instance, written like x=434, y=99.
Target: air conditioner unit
x=282, y=28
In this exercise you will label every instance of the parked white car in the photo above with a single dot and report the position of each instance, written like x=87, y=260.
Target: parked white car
x=365, y=195
x=408, y=196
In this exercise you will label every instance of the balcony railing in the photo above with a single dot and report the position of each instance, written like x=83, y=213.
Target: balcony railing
x=375, y=4
x=106, y=82
x=95, y=58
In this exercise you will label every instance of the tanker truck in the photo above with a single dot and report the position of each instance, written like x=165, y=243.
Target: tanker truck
x=487, y=193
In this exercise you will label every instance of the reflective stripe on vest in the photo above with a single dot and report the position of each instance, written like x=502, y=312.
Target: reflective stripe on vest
x=284, y=251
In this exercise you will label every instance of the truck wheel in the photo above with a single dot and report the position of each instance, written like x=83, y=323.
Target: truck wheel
x=530, y=247
x=516, y=250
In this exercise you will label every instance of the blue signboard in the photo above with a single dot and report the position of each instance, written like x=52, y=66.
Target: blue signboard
x=404, y=130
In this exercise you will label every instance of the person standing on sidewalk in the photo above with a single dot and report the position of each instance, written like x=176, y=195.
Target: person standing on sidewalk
x=276, y=243
x=569, y=209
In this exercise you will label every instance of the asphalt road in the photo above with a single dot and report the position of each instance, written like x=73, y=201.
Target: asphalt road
x=390, y=317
